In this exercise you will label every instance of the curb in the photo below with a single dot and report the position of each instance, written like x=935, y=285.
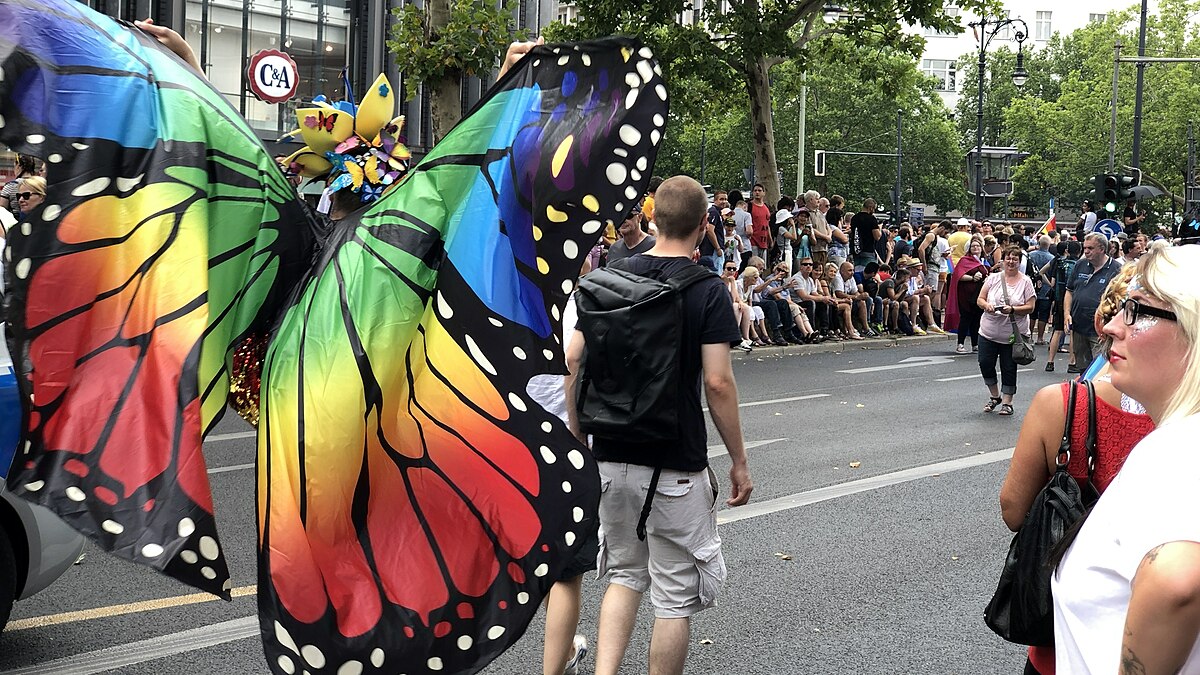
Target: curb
x=841, y=347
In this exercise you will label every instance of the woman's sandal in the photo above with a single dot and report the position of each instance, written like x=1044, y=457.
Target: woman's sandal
x=992, y=403
x=1005, y=409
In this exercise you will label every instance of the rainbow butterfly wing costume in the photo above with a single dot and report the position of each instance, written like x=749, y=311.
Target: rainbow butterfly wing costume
x=415, y=504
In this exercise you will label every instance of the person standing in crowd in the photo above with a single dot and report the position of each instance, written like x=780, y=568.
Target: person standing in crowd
x=30, y=195
x=1007, y=294
x=1120, y=424
x=648, y=202
x=1087, y=217
x=959, y=239
x=743, y=225
x=1039, y=260
x=1132, y=218
x=1059, y=273
x=1087, y=283
x=26, y=167
x=963, y=312
x=785, y=234
x=682, y=522
x=833, y=209
x=712, y=246
x=633, y=239
x=933, y=251
x=760, y=220
x=822, y=235
x=1127, y=591
x=865, y=235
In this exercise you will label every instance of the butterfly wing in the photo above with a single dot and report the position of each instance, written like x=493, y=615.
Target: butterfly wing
x=415, y=505
x=167, y=237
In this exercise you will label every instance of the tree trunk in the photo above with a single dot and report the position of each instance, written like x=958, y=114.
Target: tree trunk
x=445, y=95
x=445, y=104
x=762, y=129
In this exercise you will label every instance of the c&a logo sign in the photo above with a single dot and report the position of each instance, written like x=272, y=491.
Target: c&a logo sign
x=273, y=76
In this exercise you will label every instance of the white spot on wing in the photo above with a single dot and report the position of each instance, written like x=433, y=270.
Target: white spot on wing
x=92, y=187
x=477, y=354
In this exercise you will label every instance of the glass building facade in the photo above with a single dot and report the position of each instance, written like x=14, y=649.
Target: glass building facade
x=323, y=37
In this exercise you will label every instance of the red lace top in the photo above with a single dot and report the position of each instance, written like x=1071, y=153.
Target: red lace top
x=1117, y=432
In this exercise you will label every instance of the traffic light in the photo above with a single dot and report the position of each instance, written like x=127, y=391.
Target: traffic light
x=1097, y=196
x=1111, y=191
x=1124, y=188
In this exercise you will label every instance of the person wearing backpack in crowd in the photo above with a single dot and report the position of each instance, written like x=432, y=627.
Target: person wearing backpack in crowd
x=654, y=467
x=1038, y=260
x=1059, y=271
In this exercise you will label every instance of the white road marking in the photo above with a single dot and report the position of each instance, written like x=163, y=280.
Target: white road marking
x=235, y=467
x=753, y=510
x=773, y=401
x=974, y=376
x=910, y=362
x=121, y=656
x=230, y=437
x=719, y=449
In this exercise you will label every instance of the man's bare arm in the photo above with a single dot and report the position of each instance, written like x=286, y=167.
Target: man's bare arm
x=720, y=389
x=1163, y=620
x=574, y=364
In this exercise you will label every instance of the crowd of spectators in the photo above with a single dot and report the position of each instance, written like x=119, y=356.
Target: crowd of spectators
x=811, y=269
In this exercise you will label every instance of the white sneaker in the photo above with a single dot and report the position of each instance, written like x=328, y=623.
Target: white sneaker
x=581, y=650
x=746, y=345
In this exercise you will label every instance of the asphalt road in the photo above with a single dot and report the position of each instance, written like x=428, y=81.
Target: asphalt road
x=871, y=545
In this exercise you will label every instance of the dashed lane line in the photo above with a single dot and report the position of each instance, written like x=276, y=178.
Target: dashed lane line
x=719, y=449
x=128, y=608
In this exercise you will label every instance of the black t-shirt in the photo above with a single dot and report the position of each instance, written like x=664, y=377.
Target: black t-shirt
x=871, y=286
x=863, y=225
x=718, y=223
x=708, y=319
x=1130, y=214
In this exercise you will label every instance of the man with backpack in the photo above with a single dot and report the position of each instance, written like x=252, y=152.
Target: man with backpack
x=654, y=326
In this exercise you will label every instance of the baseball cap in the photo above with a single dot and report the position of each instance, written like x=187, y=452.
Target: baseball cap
x=963, y=222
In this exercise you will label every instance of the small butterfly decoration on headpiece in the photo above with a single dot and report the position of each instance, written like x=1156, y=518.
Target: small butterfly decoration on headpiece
x=358, y=147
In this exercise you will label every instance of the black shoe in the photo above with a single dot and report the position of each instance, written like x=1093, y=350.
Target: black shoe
x=1074, y=370
x=1049, y=367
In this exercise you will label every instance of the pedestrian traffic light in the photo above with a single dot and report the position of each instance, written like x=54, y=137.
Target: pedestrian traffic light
x=1111, y=191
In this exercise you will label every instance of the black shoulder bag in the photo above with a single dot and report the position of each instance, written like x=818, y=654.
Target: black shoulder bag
x=1021, y=609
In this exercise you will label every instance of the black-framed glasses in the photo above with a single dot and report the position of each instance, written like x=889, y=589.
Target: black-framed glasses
x=1132, y=309
x=806, y=264
x=28, y=195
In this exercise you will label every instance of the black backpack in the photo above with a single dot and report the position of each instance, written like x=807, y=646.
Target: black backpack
x=631, y=380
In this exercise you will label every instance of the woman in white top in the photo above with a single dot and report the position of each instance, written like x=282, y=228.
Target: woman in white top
x=1004, y=296
x=1127, y=592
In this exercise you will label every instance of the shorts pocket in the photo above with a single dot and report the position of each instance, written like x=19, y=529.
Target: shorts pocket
x=710, y=565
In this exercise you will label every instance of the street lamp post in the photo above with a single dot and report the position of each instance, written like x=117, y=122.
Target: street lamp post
x=988, y=29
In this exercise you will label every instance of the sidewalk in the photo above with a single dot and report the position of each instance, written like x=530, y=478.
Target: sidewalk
x=845, y=346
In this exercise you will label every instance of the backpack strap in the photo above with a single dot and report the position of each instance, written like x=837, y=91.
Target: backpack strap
x=641, y=525
x=690, y=276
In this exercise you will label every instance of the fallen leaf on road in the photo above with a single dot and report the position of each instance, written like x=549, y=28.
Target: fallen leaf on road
x=836, y=468
x=936, y=475
x=954, y=557
x=979, y=453
x=966, y=444
x=844, y=403
x=859, y=405
x=706, y=641
x=778, y=414
x=855, y=465
x=816, y=630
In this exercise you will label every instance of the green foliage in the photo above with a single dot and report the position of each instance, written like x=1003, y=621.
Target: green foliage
x=730, y=50
x=1062, y=117
x=470, y=42
x=846, y=111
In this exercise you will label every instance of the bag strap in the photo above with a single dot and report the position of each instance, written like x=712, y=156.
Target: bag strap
x=1011, y=315
x=1091, y=435
x=641, y=525
x=1064, y=447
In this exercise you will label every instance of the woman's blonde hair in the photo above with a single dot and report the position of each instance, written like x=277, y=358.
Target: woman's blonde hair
x=750, y=271
x=35, y=184
x=1169, y=274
